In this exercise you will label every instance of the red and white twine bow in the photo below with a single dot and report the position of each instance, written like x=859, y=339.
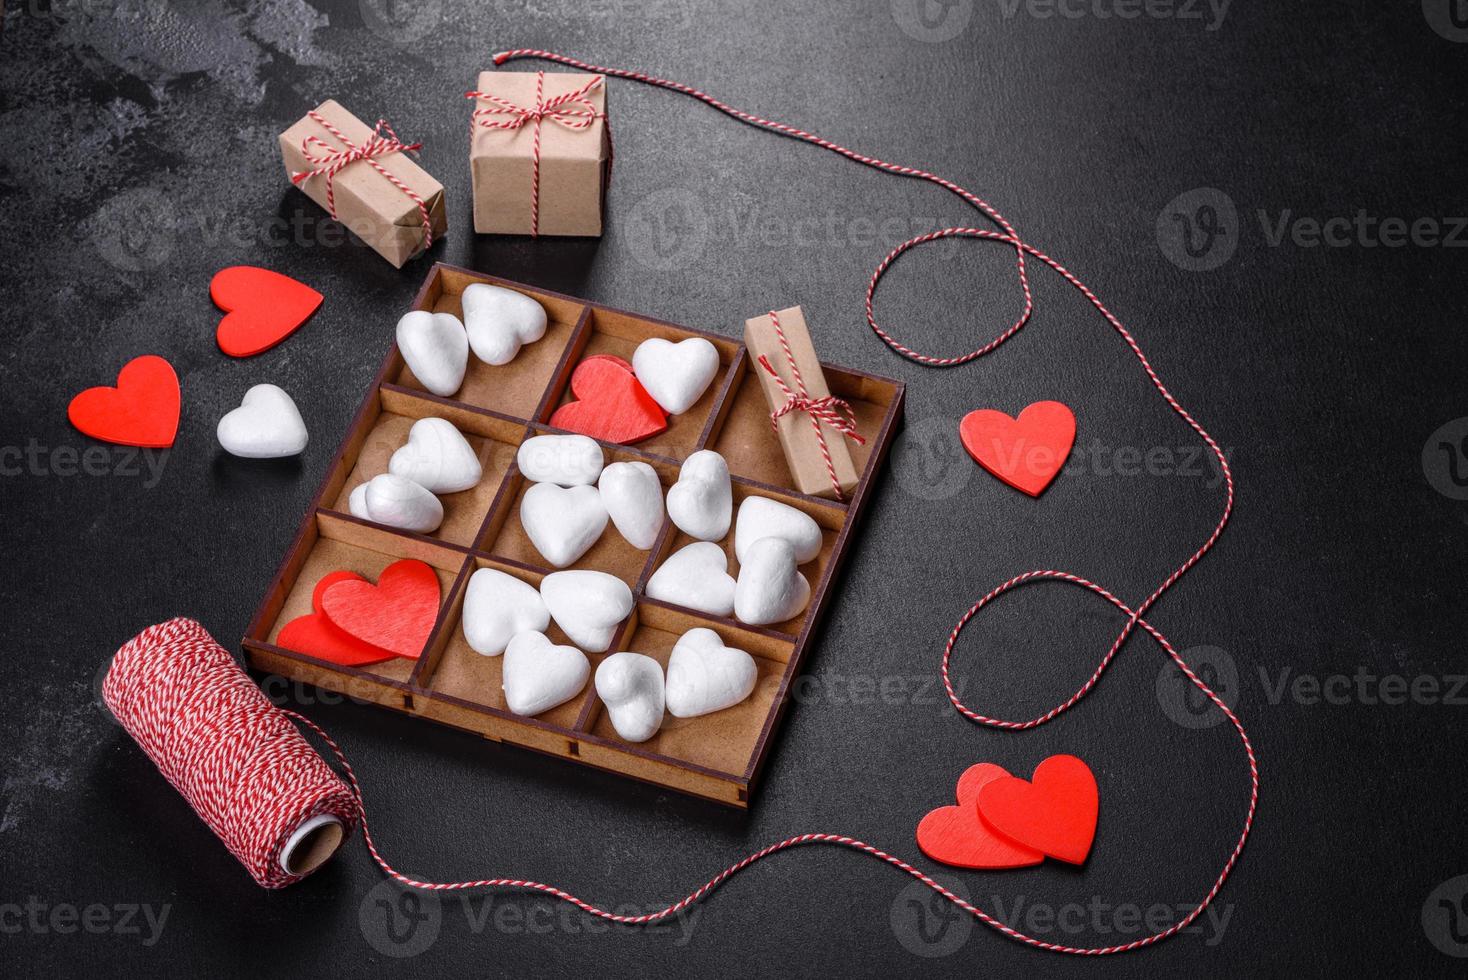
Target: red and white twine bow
x=331, y=160
x=573, y=110
x=830, y=410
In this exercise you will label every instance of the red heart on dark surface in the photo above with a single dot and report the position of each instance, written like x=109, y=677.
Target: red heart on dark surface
x=611, y=403
x=396, y=614
x=141, y=411
x=262, y=308
x=954, y=834
x=1054, y=813
x=317, y=636
x=1026, y=452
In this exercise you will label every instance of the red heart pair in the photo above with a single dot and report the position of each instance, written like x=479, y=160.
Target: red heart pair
x=1026, y=452
x=354, y=622
x=611, y=403
x=1002, y=821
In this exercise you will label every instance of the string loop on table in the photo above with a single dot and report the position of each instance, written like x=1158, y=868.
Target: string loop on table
x=178, y=733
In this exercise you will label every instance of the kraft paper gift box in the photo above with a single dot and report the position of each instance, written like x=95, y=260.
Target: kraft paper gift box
x=539, y=153
x=814, y=429
x=365, y=179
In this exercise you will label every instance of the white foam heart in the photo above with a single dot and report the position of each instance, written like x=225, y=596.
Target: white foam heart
x=701, y=502
x=562, y=522
x=675, y=375
x=500, y=321
x=571, y=461
x=587, y=606
x=633, y=497
x=770, y=588
x=436, y=349
x=497, y=608
x=631, y=687
x=761, y=517
x=696, y=576
x=438, y=458
x=537, y=674
x=267, y=425
x=397, y=502
x=705, y=676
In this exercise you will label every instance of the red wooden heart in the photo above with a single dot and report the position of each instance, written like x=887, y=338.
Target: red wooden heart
x=262, y=308
x=1025, y=453
x=954, y=834
x=316, y=636
x=611, y=403
x=1055, y=812
x=396, y=614
x=141, y=411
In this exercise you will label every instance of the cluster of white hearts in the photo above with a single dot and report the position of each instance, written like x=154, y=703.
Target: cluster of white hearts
x=575, y=494
x=504, y=615
x=435, y=459
x=498, y=322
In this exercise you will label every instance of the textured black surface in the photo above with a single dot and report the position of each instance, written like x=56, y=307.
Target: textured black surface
x=1325, y=371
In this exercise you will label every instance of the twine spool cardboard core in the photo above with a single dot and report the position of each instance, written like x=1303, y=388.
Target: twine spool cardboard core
x=312, y=844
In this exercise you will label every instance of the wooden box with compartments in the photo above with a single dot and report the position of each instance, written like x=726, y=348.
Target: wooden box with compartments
x=717, y=756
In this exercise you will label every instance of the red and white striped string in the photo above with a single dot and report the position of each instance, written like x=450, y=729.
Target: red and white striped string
x=830, y=410
x=201, y=738
x=572, y=110
x=332, y=160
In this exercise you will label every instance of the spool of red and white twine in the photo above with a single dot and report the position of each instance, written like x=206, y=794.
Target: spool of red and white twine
x=233, y=755
x=279, y=807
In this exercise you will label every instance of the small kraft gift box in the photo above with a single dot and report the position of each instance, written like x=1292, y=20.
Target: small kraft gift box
x=365, y=179
x=811, y=423
x=540, y=153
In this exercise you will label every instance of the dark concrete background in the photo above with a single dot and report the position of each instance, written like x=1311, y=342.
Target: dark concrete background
x=137, y=157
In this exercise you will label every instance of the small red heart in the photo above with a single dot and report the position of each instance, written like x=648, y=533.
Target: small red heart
x=262, y=308
x=1025, y=453
x=141, y=411
x=611, y=403
x=954, y=834
x=316, y=636
x=1055, y=812
x=396, y=614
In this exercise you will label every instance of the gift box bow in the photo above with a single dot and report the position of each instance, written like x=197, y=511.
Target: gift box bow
x=573, y=110
x=331, y=160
